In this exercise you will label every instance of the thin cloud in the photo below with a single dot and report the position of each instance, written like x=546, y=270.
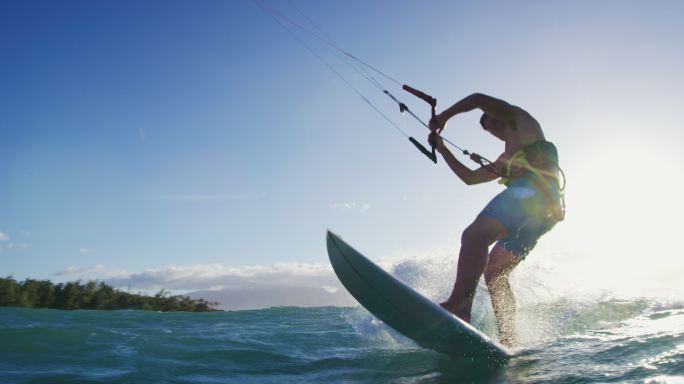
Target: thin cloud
x=18, y=246
x=71, y=271
x=330, y=289
x=350, y=206
x=95, y=272
x=11, y=246
x=342, y=206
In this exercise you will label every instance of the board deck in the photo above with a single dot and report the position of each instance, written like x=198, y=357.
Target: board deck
x=406, y=310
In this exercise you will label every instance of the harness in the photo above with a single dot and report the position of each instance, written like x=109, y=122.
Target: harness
x=532, y=161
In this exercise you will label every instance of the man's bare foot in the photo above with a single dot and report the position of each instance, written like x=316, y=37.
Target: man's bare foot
x=454, y=309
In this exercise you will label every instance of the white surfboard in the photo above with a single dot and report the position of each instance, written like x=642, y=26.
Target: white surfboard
x=406, y=310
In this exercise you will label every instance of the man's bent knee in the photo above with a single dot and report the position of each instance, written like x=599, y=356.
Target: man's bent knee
x=473, y=236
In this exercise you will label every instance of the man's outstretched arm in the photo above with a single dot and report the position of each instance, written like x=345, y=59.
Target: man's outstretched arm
x=497, y=108
x=469, y=176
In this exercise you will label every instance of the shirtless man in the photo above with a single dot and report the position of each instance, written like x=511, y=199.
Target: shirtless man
x=530, y=205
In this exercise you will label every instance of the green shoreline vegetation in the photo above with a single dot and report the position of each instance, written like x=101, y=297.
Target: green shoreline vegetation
x=32, y=293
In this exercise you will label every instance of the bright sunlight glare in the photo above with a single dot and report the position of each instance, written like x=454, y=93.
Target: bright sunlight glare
x=624, y=219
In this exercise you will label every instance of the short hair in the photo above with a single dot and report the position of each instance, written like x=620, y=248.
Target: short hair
x=483, y=119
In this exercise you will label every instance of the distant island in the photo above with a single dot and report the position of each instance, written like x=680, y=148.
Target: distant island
x=91, y=295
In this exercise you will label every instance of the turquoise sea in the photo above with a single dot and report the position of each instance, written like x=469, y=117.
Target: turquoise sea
x=637, y=341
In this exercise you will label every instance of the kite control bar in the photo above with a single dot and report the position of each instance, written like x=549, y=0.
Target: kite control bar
x=403, y=108
x=433, y=104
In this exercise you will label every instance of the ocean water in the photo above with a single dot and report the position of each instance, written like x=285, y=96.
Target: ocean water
x=611, y=341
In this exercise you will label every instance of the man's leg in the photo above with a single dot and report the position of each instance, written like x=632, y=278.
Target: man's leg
x=497, y=272
x=472, y=261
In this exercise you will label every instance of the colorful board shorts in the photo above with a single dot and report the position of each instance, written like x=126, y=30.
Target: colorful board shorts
x=523, y=208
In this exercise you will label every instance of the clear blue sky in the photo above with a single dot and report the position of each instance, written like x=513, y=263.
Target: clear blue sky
x=137, y=135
